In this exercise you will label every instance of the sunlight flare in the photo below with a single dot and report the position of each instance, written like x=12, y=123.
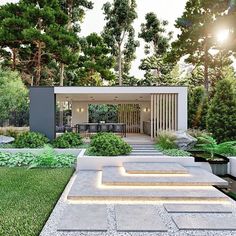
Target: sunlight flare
x=222, y=35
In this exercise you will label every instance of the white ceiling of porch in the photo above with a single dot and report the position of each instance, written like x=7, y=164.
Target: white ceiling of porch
x=104, y=97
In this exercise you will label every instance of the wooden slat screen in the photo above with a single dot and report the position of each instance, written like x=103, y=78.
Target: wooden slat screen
x=130, y=115
x=163, y=113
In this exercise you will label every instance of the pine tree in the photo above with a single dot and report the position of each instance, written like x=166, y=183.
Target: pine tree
x=153, y=32
x=198, y=28
x=95, y=62
x=12, y=23
x=197, y=108
x=119, y=33
x=221, y=119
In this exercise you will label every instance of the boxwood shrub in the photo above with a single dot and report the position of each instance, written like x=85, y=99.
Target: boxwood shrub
x=108, y=144
x=30, y=140
x=68, y=140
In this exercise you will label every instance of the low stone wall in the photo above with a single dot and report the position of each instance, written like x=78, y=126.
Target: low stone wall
x=232, y=166
x=38, y=150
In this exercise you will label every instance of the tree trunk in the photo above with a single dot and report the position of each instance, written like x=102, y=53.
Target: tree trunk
x=38, y=64
x=14, y=58
x=70, y=14
x=120, y=66
x=206, y=76
x=39, y=55
x=62, y=69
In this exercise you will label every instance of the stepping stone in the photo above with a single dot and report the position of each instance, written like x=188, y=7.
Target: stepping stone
x=87, y=186
x=138, y=218
x=197, y=208
x=197, y=176
x=205, y=223
x=154, y=168
x=84, y=217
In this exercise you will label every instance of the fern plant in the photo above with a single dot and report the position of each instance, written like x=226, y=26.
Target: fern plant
x=209, y=144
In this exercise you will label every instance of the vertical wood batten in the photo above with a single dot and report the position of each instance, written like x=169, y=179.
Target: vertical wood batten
x=152, y=116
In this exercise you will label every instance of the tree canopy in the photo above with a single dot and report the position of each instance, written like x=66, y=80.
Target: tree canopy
x=119, y=33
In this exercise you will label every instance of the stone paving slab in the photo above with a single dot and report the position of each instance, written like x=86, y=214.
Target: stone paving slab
x=204, y=223
x=86, y=186
x=197, y=177
x=197, y=208
x=84, y=217
x=154, y=168
x=138, y=218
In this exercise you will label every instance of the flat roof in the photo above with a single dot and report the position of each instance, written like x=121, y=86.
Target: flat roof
x=120, y=90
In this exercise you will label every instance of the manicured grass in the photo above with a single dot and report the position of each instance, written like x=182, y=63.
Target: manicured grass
x=27, y=198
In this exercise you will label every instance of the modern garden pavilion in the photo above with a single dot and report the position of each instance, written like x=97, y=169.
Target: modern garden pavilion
x=142, y=109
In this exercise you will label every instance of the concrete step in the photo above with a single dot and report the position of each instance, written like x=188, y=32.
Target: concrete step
x=87, y=186
x=145, y=150
x=154, y=168
x=116, y=176
x=145, y=154
x=185, y=222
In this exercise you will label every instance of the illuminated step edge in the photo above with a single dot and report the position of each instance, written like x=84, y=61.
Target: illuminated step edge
x=154, y=168
x=87, y=186
x=196, y=177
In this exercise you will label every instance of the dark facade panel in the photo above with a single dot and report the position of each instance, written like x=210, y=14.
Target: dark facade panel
x=43, y=110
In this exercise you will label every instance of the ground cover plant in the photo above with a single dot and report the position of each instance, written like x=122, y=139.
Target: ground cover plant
x=175, y=152
x=108, y=144
x=47, y=158
x=28, y=197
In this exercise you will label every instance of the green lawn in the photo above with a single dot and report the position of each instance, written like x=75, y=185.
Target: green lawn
x=27, y=198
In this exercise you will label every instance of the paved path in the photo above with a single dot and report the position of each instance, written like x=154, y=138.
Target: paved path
x=145, y=150
x=113, y=210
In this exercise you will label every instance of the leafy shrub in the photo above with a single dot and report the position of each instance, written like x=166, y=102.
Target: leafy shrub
x=108, y=144
x=166, y=140
x=30, y=140
x=48, y=158
x=209, y=144
x=68, y=140
x=221, y=119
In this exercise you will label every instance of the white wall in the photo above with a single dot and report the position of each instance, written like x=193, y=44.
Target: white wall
x=183, y=109
x=79, y=116
x=144, y=116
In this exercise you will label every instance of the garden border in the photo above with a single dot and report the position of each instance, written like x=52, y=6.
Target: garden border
x=73, y=151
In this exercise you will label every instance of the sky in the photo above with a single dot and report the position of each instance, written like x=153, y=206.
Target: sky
x=168, y=10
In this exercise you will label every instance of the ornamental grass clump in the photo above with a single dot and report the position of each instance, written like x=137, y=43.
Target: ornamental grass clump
x=108, y=144
x=166, y=140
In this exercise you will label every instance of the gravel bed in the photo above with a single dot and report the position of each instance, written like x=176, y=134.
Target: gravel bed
x=50, y=228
